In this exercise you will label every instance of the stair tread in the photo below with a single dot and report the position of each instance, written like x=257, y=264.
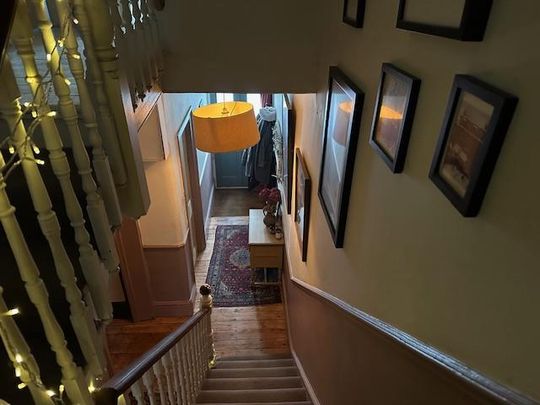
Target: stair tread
x=253, y=395
x=252, y=383
x=260, y=363
x=252, y=372
x=258, y=357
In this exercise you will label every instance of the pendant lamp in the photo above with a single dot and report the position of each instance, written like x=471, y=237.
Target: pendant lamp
x=225, y=127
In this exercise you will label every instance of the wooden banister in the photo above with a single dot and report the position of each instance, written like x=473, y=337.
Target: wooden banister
x=195, y=354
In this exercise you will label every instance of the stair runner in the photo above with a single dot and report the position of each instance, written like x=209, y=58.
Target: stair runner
x=268, y=380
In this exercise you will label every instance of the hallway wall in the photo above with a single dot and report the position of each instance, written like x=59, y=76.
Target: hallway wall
x=467, y=286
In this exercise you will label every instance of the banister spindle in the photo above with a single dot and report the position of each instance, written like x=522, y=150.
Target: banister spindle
x=155, y=35
x=95, y=207
x=159, y=372
x=142, y=44
x=150, y=41
x=206, y=302
x=17, y=349
x=137, y=390
x=149, y=379
x=93, y=270
x=166, y=363
x=88, y=114
x=72, y=377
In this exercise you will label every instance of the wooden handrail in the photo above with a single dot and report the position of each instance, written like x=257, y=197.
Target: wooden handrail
x=118, y=384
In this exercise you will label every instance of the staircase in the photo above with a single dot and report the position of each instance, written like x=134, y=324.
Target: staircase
x=268, y=380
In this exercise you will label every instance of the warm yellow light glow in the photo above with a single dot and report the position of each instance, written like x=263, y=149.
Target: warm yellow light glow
x=13, y=311
x=27, y=104
x=76, y=56
x=60, y=43
x=34, y=114
x=36, y=150
x=51, y=114
x=91, y=388
x=11, y=149
x=48, y=57
x=225, y=127
x=61, y=388
x=75, y=21
x=40, y=162
x=17, y=371
x=18, y=358
x=21, y=386
x=67, y=81
x=390, y=113
x=50, y=393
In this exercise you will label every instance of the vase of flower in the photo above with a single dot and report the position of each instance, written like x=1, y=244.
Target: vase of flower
x=271, y=198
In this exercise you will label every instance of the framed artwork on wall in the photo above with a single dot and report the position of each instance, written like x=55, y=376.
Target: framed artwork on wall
x=393, y=117
x=302, y=203
x=288, y=124
x=464, y=20
x=353, y=12
x=475, y=124
x=342, y=125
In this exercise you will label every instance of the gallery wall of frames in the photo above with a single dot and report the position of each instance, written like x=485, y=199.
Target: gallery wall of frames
x=478, y=115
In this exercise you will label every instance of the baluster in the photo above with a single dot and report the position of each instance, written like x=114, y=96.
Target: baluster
x=72, y=377
x=189, y=370
x=176, y=376
x=158, y=371
x=155, y=34
x=182, y=397
x=202, y=370
x=150, y=40
x=93, y=270
x=148, y=381
x=133, y=49
x=121, y=44
x=195, y=360
x=95, y=207
x=15, y=344
x=137, y=390
x=100, y=159
x=166, y=363
x=142, y=39
x=206, y=302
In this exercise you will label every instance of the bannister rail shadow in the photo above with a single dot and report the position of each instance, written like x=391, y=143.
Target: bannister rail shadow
x=172, y=371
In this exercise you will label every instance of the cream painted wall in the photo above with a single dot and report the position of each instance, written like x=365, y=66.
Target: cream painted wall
x=469, y=287
x=166, y=221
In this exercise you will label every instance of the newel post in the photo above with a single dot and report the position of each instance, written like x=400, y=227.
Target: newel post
x=206, y=301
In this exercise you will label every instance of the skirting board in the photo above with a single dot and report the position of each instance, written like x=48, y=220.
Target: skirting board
x=304, y=377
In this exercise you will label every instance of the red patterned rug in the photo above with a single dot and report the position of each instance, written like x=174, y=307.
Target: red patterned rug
x=229, y=273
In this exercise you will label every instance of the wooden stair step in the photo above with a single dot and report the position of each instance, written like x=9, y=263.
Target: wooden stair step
x=253, y=372
x=258, y=395
x=252, y=383
x=268, y=356
x=262, y=363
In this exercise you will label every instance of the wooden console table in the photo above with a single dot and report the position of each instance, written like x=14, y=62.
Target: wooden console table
x=265, y=250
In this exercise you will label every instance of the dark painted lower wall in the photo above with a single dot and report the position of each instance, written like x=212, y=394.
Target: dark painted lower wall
x=171, y=274
x=349, y=362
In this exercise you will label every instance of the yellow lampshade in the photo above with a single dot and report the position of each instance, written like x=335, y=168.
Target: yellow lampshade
x=225, y=127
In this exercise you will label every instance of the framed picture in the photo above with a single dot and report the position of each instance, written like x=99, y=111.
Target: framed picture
x=302, y=203
x=287, y=122
x=477, y=118
x=343, y=111
x=465, y=20
x=353, y=12
x=393, y=117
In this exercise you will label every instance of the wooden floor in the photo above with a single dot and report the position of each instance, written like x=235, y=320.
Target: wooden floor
x=234, y=202
x=238, y=331
x=243, y=331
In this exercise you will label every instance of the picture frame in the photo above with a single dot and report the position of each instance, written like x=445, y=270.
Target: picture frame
x=342, y=125
x=475, y=124
x=467, y=22
x=302, y=203
x=393, y=116
x=287, y=119
x=353, y=12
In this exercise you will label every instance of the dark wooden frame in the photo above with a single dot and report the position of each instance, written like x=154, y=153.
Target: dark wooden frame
x=288, y=137
x=358, y=21
x=7, y=15
x=301, y=168
x=504, y=105
x=471, y=28
x=413, y=84
x=338, y=232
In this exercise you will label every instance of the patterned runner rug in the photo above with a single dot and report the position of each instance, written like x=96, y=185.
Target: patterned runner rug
x=229, y=273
